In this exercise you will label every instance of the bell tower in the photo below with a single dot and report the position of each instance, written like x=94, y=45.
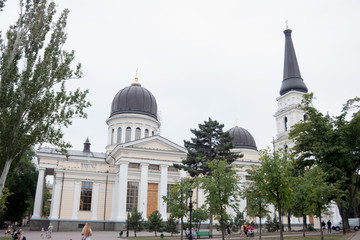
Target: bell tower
x=291, y=92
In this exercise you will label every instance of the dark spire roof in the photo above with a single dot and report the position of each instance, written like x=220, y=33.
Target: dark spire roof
x=87, y=145
x=292, y=78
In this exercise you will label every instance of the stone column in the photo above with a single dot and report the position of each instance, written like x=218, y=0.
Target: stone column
x=123, y=126
x=114, y=202
x=76, y=202
x=163, y=190
x=144, y=189
x=55, y=202
x=122, y=191
x=39, y=194
x=95, y=201
x=133, y=130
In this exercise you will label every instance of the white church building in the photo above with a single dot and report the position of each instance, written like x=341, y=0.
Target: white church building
x=137, y=169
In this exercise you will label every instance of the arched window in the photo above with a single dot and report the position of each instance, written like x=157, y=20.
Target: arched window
x=112, y=136
x=119, y=133
x=137, y=133
x=286, y=148
x=128, y=134
x=146, y=132
x=286, y=123
x=153, y=133
x=304, y=117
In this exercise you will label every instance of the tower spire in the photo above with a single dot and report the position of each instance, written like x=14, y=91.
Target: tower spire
x=136, y=82
x=292, y=79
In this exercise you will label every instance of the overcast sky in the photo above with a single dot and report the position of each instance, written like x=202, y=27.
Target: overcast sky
x=200, y=59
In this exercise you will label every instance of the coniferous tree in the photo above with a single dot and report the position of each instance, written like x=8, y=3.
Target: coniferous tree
x=34, y=70
x=155, y=222
x=170, y=225
x=135, y=221
x=210, y=142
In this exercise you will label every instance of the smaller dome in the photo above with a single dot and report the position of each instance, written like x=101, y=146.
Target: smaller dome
x=242, y=138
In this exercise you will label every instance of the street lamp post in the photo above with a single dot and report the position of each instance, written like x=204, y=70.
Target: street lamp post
x=190, y=208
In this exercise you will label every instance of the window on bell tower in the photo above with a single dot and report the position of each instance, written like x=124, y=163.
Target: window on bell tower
x=137, y=133
x=286, y=123
x=119, y=132
x=128, y=134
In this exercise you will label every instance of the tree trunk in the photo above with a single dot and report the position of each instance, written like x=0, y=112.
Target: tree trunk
x=182, y=229
x=260, y=228
x=222, y=227
x=211, y=224
x=289, y=221
x=4, y=175
x=280, y=220
x=344, y=216
x=304, y=225
x=321, y=229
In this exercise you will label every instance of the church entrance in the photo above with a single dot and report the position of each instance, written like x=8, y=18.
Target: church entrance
x=152, y=198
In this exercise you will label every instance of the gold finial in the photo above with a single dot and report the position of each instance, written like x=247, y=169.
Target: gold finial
x=287, y=26
x=136, y=82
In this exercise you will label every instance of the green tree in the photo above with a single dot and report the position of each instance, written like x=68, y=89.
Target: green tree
x=22, y=183
x=170, y=225
x=319, y=192
x=333, y=143
x=221, y=190
x=155, y=222
x=210, y=142
x=34, y=70
x=135, y=221
x=2, y=4
x=272, y=179
x=256, y=204
x=238, y=221
x=177, y=200
x=299, y=205
x=198, y=216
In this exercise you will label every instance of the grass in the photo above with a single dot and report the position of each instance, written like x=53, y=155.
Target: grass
x=6, y=238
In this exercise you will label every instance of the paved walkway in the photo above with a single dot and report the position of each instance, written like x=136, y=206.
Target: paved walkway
x=33, y=235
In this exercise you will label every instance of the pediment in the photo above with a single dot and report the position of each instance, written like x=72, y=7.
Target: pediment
x=155, y=143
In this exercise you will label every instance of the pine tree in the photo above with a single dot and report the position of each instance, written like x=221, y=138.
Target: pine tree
x=135, y=221
x=210, y=142
x=155, y=222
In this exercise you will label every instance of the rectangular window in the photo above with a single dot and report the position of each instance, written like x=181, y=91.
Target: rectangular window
x=132, y=195
x=154, y=167
x=248, y=178
x=134, y=165
x=173, y=169
x=85, y=197
x=171, y=200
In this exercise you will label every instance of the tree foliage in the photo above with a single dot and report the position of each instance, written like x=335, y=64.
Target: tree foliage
x=155, y=222
x=221, y=190
x=198, y=216
x=333, y=143
x=135, y=221
x=256, y=204
x=272, y=179
x=210, y=143
x=22, y=185
x=34, y=69
x=177, y=200
x=170, y=225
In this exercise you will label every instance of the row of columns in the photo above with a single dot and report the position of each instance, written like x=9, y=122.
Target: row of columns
x=120, y=188
x=119, y=193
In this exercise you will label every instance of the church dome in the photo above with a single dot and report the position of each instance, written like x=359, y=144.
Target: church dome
x=134, y=99
x=242, y=138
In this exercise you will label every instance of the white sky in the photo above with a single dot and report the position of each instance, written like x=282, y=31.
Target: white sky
x=200, y=59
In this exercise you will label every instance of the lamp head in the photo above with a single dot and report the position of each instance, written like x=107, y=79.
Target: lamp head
x=190, y=193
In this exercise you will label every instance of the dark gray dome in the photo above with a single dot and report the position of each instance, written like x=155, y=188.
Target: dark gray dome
x=242, y=138
x=134, y=99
